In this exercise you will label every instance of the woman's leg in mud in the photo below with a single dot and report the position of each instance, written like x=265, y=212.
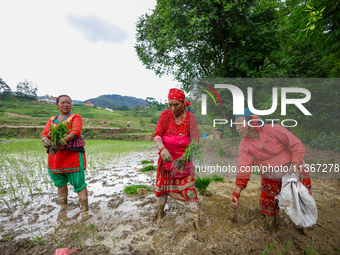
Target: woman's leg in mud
x=195, y=210
x=62, y=194
x=272, y=222
x=83, y=199
x=161, y=200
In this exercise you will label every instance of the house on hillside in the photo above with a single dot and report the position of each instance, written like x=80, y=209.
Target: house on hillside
x=89, y=104
x=107, y=109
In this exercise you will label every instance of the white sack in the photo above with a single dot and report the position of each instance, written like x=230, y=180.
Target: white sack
x=296, y=201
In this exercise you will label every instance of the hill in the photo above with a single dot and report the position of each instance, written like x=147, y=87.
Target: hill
x=115, y=101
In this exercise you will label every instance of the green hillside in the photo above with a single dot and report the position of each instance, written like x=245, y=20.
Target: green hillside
x=19, y=112
x=114, y=101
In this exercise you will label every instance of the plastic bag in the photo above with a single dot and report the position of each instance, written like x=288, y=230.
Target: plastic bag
x=296, y=201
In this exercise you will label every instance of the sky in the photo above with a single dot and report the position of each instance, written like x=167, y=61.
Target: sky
x=83, y=48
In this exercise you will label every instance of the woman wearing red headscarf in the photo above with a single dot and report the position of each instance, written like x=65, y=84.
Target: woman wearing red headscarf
x=175, y=128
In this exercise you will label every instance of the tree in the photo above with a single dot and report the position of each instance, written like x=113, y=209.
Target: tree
x=4, y=88
x=318, y=22
x=27, y=89
x=206, y=38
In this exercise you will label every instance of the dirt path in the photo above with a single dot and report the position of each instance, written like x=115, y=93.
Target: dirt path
x=126, y=224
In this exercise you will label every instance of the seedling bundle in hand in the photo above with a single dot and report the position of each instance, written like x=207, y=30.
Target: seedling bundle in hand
x=57, y=134
x=193, y=151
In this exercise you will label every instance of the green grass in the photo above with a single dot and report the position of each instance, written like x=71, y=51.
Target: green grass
x=148, y=168
x=132, y=189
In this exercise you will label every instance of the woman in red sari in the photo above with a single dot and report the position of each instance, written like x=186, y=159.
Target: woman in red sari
x=69, y=162
x=175, y=128
x=267, y=147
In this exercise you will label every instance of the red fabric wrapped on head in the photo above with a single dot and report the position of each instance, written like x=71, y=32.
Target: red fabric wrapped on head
x=178, y=94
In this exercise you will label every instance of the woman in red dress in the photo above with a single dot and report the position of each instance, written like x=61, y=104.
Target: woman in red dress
x=267, y=147
x=175, y=129
x=69, y=162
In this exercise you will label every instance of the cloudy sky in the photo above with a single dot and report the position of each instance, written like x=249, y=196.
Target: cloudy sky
x=83, y=48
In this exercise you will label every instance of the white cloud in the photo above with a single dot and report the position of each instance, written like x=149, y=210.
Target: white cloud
x=39, y=44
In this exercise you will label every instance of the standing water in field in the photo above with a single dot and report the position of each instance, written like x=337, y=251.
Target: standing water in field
x=118, y=223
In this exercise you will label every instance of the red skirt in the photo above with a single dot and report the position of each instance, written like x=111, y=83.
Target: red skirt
x=65, y=161
x=270, y=189
x=179, y=188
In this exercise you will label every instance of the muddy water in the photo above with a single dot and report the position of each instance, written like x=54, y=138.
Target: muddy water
x=126, y=224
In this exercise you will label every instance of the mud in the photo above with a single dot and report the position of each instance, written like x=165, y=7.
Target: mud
x=126, y=224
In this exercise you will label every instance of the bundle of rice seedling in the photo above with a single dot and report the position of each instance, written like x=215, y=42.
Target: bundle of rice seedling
x=148, y=168
x=57, y=134
x=193, y=151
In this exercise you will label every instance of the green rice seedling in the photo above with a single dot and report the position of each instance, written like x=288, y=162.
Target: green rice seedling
x=146, y=162
x=193, y=151
x=92, y=229
x=268, y=249
x=7, y=237
x=59, y=243
x=13, y=191
x=57, y=134
x=114, y=239
x=99, y=241
x=309, y=249
x=9, y=209
x=77, y=238
x=132, y=189
x=202, y=184
x=148, y=168
x=36, y=239
x=286, y=246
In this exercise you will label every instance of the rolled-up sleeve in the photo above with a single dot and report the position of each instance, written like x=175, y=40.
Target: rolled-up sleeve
x=76, y=126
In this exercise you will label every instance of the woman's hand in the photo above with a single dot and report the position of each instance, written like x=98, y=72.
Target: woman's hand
x=165, y=155
x=294, y=168
x=234, y=198
x=234, y=202
x=46, y=142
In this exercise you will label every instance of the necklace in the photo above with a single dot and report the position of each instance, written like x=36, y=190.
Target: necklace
x=180, y=118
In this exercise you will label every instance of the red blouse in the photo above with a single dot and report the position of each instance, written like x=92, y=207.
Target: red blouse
x=276, y=146
x=167, y=125
x=74, y=127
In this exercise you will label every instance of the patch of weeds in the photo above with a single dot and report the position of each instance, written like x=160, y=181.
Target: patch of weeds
x=286, y=246
x=221, y=152
x=148, y=168
x=146, y=162
x=36, y=239
x=7, y=237
x=132, y=189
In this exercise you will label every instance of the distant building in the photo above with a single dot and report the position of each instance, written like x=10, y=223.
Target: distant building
x=89, y=104
x=99, y=107
x=107, y=109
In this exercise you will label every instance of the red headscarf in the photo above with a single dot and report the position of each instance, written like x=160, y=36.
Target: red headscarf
x=178, y=94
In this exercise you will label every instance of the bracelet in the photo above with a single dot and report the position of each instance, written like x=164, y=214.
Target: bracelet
x=237, y=195
x=162, y=148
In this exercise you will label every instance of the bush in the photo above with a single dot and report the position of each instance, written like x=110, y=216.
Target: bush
x=326, y=142
x=221, y=152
